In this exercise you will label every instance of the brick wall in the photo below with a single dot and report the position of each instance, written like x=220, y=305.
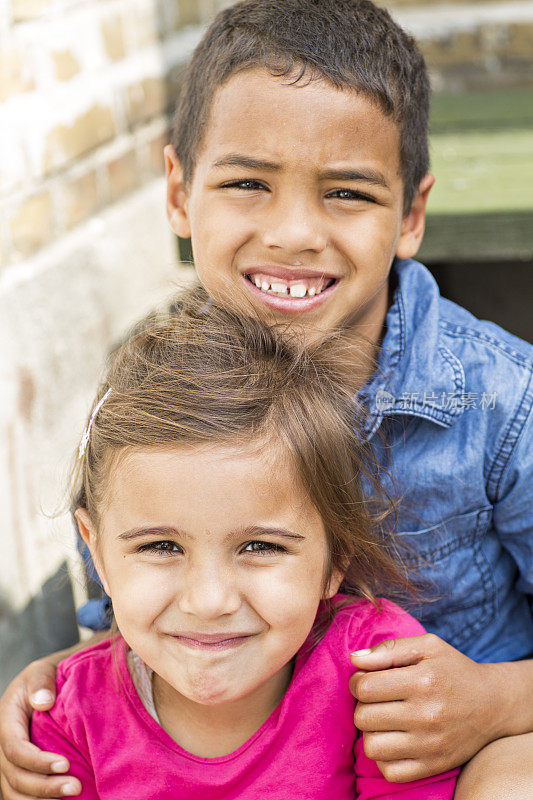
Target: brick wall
x=85, y=89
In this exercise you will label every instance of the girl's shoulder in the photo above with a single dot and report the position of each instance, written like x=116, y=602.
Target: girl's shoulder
x=361, y=624
x=89, y=669
x=88, y=692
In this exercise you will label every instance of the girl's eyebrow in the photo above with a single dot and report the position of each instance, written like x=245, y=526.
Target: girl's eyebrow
x=263, y=530
x=164, y=530
x=246, y=533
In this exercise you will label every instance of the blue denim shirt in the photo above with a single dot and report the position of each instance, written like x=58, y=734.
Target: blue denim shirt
x=450, y=416
x=453, y=398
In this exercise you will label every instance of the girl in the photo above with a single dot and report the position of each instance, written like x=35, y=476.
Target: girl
x=217, y=497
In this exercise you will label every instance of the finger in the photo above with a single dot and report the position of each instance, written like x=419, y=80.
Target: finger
x=27, y=756
x=29, y=785
x=42, y=688
x=386, y=685
x=389, y=746
x=382, y=717
x=394, y=652
x=352, y=683
x=403, y=770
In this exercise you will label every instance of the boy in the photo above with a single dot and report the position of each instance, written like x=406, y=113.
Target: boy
x=299, y=168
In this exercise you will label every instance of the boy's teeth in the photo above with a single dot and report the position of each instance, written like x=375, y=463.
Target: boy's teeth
x=298, y=290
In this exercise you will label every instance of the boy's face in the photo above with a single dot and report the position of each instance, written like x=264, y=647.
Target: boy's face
x=296, y=202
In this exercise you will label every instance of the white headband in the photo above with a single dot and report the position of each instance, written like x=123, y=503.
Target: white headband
x=87, y=432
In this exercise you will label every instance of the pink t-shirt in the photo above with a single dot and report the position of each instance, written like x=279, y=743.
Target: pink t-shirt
x=308, y=748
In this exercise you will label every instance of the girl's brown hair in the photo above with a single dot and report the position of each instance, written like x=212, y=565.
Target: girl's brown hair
x=205, y=374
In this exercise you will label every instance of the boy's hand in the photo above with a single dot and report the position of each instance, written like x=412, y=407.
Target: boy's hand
x=25, y=769
x=424, y=707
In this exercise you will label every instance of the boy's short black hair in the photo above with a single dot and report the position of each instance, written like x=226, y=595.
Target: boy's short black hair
x=350, y=43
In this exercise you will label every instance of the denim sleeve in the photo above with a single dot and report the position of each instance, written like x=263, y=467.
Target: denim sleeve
x=513, y=507
x=96, y=614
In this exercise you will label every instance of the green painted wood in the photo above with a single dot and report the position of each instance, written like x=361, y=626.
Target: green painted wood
x=481, y=206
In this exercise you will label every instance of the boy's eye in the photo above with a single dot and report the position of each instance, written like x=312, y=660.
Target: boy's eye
x=267, y=548
x=248, y=185
x=350, y=194
x=165, y=547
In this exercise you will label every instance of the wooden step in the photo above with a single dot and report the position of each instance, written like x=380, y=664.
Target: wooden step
x=481, y=206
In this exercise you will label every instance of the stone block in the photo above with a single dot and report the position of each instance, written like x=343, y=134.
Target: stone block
x=190, y=12
x=156, y=161
x=112, y=29
x=68, y=142
x=145, y=27
x=80, y=199
x=519, y=43
x=65, y=65
x=123, y=175
x=461, y=47
x=22, y=10
x=146, y=100
x=15, y=77
x=32, y=225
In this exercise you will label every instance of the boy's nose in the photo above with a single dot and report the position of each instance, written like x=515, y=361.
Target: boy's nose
x=208, y=591
x=294, y=226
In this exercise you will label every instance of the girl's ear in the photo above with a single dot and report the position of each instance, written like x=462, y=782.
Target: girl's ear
x=333, y=584
x=88, y=534
x=177, y=198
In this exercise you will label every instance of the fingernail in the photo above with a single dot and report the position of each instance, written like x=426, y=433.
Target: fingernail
x=69, y=789
x=59, y=766
x=41, y=697
x=365, y=652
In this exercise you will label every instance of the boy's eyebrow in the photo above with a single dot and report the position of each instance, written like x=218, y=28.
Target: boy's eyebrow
x=237, y=160
x=246, y=162
x=366, y=175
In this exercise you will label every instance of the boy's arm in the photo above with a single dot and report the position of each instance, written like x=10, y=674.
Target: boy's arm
x=428, y=708
x=424, y=707
x=52, y=734
x=371, y=784
x=25, y=771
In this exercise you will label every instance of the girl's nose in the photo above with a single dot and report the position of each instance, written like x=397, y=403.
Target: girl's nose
x=208, y=591
x=294, y=225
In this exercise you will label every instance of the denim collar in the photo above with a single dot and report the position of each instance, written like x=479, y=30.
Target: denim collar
x=417, y=375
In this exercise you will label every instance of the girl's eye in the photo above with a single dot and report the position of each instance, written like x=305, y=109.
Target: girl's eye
x=165, y=547
x=248, y=185
x=267, y=548
x=350, y=194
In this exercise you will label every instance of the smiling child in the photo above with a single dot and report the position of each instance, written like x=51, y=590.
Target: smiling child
x=219, y=494
x=299, y=168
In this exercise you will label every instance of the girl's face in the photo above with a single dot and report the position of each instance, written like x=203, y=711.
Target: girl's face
x=214, y=559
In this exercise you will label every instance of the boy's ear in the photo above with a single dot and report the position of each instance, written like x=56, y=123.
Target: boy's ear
x=88, y=534
x=177, y=198
x=414, y=222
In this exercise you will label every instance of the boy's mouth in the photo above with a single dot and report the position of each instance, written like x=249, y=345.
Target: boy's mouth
x=286, y=291
x=297, y=288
